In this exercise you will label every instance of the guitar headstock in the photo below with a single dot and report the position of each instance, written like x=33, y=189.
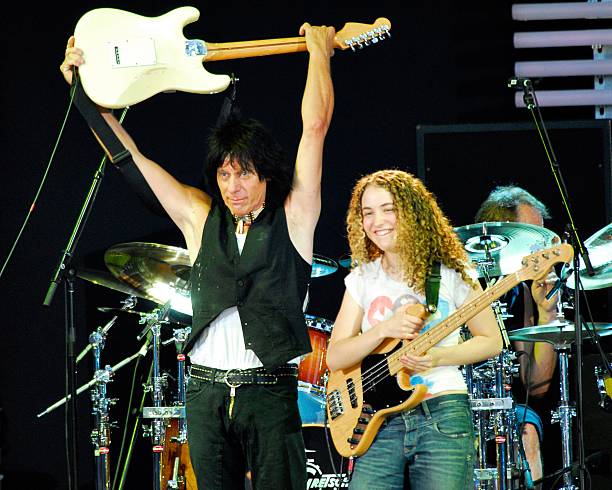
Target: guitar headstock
x=537, y=265
x=355, y=35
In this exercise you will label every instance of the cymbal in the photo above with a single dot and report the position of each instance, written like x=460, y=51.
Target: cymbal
x=560, y=332
x=507, y=242
x=159, y=272
x=108, y=281
x=599, y=247
x=322, y=266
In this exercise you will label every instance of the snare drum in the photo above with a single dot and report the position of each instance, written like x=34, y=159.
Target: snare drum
x=312, y=366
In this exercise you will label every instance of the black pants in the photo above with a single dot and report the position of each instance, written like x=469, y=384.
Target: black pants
x=263, y=435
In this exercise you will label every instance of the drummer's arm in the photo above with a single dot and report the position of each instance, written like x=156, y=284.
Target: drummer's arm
x=542, y=356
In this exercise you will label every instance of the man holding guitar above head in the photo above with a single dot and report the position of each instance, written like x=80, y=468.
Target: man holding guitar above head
x=397, y=235
x=249, y=329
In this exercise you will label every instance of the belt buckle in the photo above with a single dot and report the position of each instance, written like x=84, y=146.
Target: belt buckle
x=228, y=374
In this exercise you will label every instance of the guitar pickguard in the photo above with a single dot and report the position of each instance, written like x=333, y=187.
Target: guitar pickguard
x=380, y=389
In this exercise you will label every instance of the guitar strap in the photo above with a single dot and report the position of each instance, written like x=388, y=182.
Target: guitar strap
x=432, y=287
x=114, y=149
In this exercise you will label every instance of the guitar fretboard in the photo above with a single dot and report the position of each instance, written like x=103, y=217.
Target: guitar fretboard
x=431, y=337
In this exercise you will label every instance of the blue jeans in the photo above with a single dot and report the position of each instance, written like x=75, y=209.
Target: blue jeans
x=436, y=441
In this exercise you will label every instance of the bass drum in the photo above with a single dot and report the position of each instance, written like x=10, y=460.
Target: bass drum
x=325, y=467
x=175, y=462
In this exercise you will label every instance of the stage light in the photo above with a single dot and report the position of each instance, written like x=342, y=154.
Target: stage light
x=567, y=98
x=564, y=68
x=559, y=11
x=599, y=67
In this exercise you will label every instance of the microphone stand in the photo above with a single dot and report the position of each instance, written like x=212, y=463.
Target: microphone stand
x=66, y=273
x=531, y=102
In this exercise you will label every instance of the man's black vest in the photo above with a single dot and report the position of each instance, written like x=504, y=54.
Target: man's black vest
x=267, y=282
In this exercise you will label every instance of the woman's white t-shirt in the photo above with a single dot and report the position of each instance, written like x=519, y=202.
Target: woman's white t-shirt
x=379, y=296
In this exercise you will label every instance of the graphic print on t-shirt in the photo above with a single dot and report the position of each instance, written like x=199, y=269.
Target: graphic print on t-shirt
x=382, y=308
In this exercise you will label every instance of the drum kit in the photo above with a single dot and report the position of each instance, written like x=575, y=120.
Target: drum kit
x=496, y=249
x=160, y=273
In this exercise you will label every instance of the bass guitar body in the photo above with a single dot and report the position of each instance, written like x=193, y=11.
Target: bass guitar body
x=357, y=406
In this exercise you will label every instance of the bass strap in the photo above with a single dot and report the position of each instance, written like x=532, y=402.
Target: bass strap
x=432, y=287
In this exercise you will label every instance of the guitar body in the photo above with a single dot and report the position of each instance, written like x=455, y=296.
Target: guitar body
x=357, y=407
x=129, y=57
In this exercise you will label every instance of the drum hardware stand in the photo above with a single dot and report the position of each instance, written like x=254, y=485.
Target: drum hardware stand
x=180, y=336
x=158, y=382
x=100, y=435
x=564, y=414
x=503, y=429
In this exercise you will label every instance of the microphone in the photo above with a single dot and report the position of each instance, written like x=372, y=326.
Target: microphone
x=517, y=82
x=560, y=282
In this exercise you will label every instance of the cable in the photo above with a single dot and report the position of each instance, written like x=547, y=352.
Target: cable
x=40, y=187
x=131, y=445
x=127, y=418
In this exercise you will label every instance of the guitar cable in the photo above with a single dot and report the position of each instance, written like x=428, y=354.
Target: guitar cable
x=351, y=462
x=40, y=186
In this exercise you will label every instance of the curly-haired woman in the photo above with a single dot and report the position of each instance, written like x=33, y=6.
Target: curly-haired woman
x=397, y=233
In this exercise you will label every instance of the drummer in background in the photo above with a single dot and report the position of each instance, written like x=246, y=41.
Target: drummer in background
x=247, y=295
x=537, y=360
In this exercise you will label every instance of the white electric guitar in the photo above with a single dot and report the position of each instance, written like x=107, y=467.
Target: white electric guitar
x=129, y=57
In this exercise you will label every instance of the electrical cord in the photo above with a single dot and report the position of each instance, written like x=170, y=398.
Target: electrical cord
x=40, y=186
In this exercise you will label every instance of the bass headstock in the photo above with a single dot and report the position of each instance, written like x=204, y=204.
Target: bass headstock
x=536, y=265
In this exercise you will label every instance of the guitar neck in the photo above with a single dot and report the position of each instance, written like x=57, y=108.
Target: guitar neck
x=263, y=47
x=431, y=337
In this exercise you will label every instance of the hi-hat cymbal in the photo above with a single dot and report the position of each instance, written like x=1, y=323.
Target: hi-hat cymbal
x=599, y=247
x=159, y=272
x=322, y=266
x=561, y=332
x=499, y=247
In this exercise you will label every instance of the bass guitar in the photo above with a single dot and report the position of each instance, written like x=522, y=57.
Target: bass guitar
x=359, y=398
x=129, y=57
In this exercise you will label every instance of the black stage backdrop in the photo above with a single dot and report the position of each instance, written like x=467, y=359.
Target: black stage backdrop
x=446, y=63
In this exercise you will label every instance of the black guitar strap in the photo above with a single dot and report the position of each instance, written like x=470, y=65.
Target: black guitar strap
x=432, y=287
x=114, y=149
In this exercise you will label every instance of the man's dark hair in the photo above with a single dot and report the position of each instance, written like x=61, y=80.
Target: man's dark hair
x=503, y=202
x=251, y=145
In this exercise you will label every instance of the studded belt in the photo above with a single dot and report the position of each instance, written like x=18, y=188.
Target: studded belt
x=237, y=377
